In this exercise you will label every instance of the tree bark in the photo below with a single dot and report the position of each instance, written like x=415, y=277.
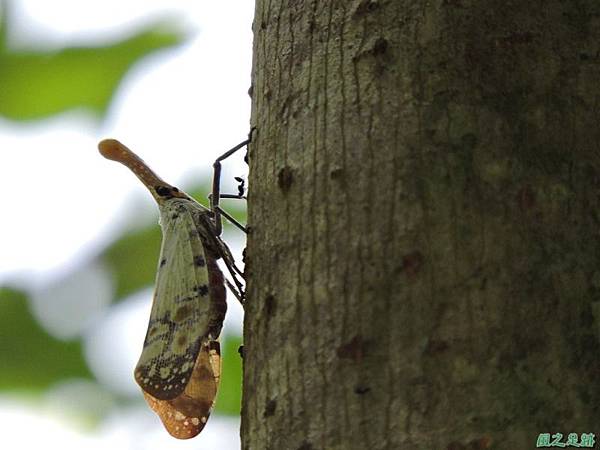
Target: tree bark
x=423, y=260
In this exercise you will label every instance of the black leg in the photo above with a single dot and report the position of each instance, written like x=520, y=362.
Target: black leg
x=238, y=289
x=231, y=219
x=216, y=186
x=233, y=196
x=238, y=294
x=224, y=253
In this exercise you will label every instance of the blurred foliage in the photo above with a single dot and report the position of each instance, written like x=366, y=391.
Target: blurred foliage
x=229, y=398
x=133, y=259
x=32, y=359
x=38, y=83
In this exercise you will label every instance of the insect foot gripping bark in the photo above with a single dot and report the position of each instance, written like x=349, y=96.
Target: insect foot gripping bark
x=180, y=365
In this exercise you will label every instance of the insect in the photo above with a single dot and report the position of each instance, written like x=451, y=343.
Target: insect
x=180, y=365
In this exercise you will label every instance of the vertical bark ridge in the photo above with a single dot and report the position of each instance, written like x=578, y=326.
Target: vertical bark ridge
x=421, y=182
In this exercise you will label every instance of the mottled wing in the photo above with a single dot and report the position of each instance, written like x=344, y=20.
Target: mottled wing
x=185, y=416
x=181, y=309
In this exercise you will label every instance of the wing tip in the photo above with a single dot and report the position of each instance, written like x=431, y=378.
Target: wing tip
x=158, y=390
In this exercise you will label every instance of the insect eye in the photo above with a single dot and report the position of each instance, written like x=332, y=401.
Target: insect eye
x=163, y=191
x=174, y=189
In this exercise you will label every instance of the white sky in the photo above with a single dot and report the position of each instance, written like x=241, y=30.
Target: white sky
x=178, y=110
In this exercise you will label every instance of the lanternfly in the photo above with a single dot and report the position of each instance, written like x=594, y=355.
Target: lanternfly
x=180, y=365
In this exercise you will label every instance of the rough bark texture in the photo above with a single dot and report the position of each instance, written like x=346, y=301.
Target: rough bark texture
x=423, y=260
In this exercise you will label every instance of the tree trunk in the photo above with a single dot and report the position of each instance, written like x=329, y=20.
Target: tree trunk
x=423, y=261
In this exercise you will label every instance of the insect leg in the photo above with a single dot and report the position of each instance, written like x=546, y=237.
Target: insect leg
x=233, y=270
x=216, y=186
x=234, y=196
x=220, y=248
x=237, y=294
x=232, y=220
x=238, y=289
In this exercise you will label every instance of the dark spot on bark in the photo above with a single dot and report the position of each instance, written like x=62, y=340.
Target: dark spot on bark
x=244, y=255
x=366, y=6
x=201, y=290
x=306, y=446
x=380, y=47
x=361, y=390
x=175, y=216
x=242, y=351
x=336, y=174
x=526, y=198
x=412, y=263
x=518, y=38
x=249, y=229
x=163, y=262
x=480, y=444
x=263, y=25
x=182, y=340
x=469, y=141
x=436, y=346
x=183, y=312
x=270, y=305
x=163, y=191
x=285, y=178
x=199, y=261
x=354, y=349
x=270, y=408
x=453, y=3
x=455, y=446
x=250, y=91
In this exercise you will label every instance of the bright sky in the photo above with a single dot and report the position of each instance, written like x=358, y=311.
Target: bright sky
x=179, y=110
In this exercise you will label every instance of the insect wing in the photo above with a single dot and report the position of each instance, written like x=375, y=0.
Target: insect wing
x=181, y=309
x=185, y=416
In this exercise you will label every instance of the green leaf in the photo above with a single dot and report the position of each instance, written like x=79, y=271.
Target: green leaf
x=32, y=359
x=229, y=398
x=133, y=259
x=37, y=84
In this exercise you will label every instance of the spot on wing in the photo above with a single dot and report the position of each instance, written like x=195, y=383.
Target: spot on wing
x=156, y=330
x=182, y=313
x=202, y=290
x=185, y=415
x=183, y=344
